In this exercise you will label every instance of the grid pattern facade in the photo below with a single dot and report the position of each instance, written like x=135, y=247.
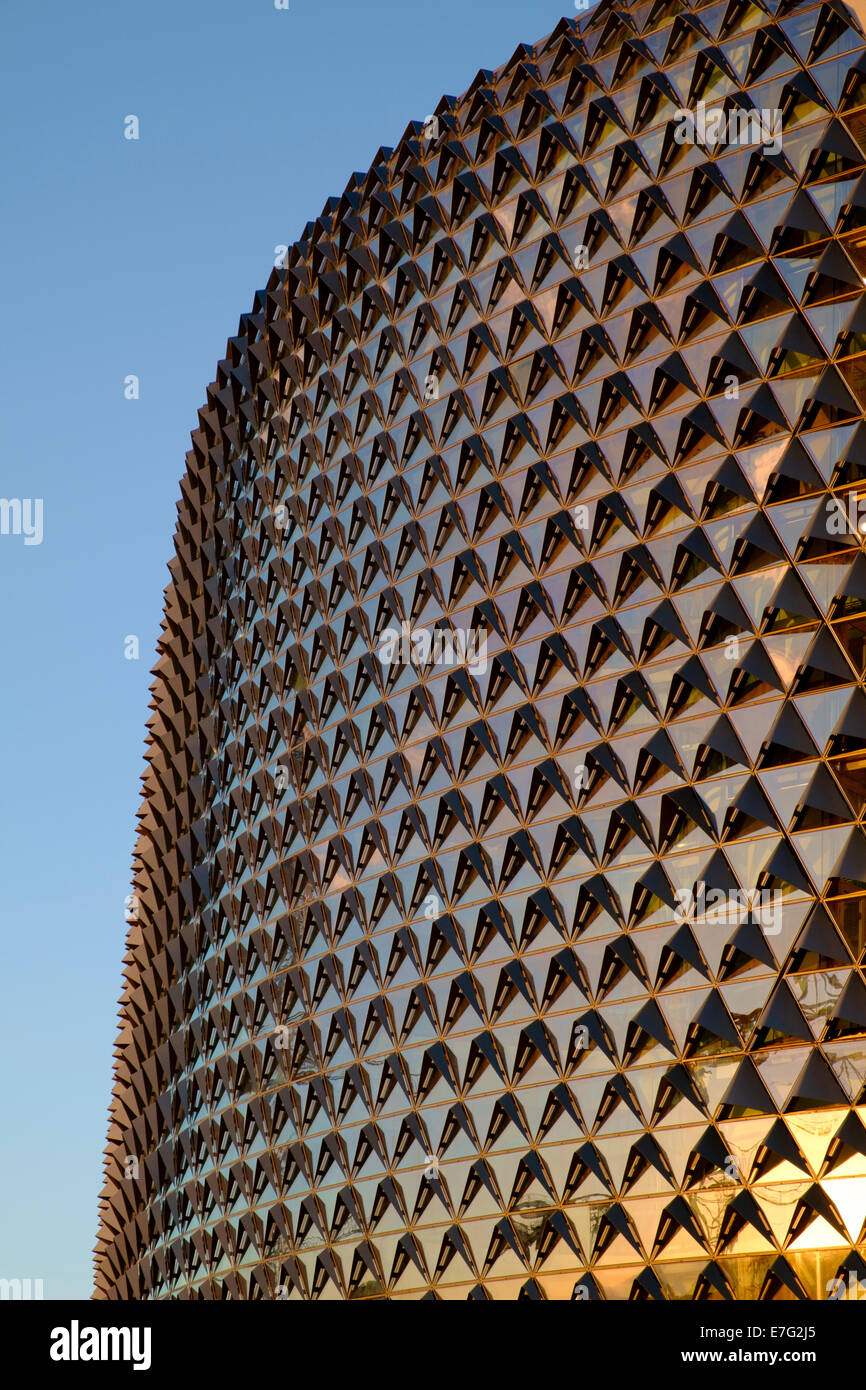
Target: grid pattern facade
x=412, y=1004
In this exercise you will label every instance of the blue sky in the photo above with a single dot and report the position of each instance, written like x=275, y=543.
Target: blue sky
x=124, y=257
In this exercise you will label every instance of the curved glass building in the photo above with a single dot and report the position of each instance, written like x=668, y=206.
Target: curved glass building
x=500, y=888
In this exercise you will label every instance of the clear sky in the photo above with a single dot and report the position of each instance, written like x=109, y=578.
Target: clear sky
x=122, y=258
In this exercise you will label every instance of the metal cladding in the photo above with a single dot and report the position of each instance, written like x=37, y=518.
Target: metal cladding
x=500, y=893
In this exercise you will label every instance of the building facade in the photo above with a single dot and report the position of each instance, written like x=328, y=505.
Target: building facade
x=500, y=890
